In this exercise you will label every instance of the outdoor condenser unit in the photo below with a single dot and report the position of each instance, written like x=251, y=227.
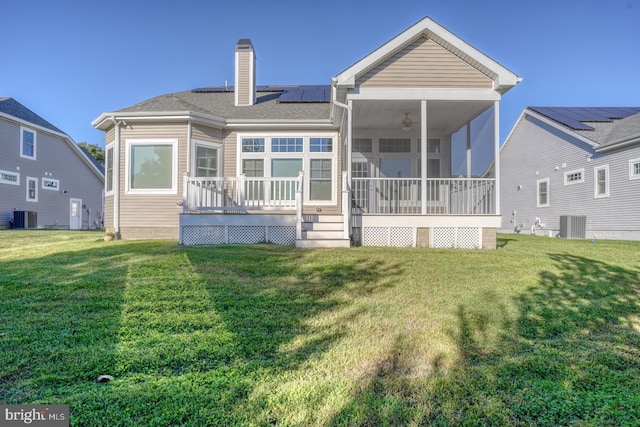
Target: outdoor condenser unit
x=573, y=226
x=25, y=219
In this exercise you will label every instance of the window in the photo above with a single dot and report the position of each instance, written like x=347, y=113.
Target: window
x=362, y=145
x=7, y=177
x=601, y=181
x=286, y=145
x=320, y=179
x=50, y=184
x=543, y=193
x=634, y=169
x=253, y=145
x=321, y=145
x=253, y=167
x=152, y=167
x=206, y=160
x=108, y=160
x=27, y=143
x=395, y=145
x=574, y=177
x=359, y=169
x=32, y=189
x=433, y=145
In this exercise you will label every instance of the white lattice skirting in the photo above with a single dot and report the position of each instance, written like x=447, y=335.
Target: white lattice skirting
x=440, y=237
x=242, y=234
x=456, y=237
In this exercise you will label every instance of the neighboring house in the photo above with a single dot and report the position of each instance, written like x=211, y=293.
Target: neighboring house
x=46, y=179
x=573, y=172
x=399, y=150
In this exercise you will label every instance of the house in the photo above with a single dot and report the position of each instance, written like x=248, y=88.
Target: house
x=46, y=179
x=573, y=172
x=400, y=149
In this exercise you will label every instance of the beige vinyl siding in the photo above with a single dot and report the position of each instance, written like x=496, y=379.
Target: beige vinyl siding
x=244, y=78
x=230, y=151
x=110, y=134
x=150, y=210
x=424, y=63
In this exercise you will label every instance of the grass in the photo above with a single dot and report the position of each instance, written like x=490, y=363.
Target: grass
x=539, y=332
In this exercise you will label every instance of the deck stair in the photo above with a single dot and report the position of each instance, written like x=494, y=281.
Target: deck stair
x=323, y=231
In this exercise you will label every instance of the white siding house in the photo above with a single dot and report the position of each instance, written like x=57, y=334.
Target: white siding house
x=573, y=172
x=46, y=179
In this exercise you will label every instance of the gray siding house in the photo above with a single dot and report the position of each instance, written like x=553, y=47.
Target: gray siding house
x=573, y=172
x=46, y=179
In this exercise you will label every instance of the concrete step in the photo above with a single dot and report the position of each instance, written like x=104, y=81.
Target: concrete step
x=323, y=243
x=330, y=226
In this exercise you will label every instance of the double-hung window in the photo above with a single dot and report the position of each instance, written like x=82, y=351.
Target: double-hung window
x=108, y=166
x=601, y=181
x=152, y=166
x=634, y=169
x=27, y=143
x=543, y=193
x=32, y=189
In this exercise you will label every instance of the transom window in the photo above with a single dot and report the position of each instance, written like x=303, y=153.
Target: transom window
x=574, y=177
x=286, y=145
x=321, y=145
x=395, y=145
x=50, y=184
x=27, y=143
x=634, y=169
x=253, y=145
x=362, y=145
x=7, y=177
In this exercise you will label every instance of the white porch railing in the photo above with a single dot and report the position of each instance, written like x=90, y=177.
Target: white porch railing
x=237, y=194
x=451, y=196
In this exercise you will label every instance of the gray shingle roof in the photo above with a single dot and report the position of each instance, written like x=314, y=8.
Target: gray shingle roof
x=13, y=108
x=221, y=104
x=603, y=125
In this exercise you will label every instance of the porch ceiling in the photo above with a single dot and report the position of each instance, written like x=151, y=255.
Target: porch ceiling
x=445, y=116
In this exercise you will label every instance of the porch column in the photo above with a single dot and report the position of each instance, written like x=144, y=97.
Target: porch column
x=496, y=152
x=349, y=139
x=469, y=149
x=423, y=155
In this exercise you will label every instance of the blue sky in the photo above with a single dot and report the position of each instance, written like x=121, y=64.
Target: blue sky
x=69, y=61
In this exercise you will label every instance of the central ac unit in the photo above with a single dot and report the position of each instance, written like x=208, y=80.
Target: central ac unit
x=573, y=226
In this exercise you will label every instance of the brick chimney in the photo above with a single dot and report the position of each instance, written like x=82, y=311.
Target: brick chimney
x=245, y=90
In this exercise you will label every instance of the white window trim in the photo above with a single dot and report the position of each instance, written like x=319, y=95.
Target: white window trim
x=32, y=179
x=581, y=180
x=174, y=160
x=632, y=176
x=606, y=182
x=35, y=142
x=305, y=155
x=4, y=181
x=207, y=144
x=46, y=187
x=538, y=193
x=108, y=147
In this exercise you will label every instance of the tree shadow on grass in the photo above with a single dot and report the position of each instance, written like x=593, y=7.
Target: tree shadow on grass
x=570, y=357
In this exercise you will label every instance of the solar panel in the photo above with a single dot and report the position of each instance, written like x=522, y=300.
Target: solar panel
x=289, y=93
x=575, y=117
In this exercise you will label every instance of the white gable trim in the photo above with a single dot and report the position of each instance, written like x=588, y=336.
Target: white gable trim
x=433, y=94
x=505, y=79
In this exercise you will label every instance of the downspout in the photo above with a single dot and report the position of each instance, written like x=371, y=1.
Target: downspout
x=116, y=180
x=346, y=193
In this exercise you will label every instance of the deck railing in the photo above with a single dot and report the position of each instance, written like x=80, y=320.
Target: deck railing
x=237, y=194
x=450, y=196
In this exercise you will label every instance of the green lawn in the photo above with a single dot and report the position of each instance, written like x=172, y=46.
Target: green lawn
x=539, y=332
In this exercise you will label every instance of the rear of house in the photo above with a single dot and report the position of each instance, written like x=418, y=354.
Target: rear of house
x=573, y=172
x=400, y=149
x=46, y=180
